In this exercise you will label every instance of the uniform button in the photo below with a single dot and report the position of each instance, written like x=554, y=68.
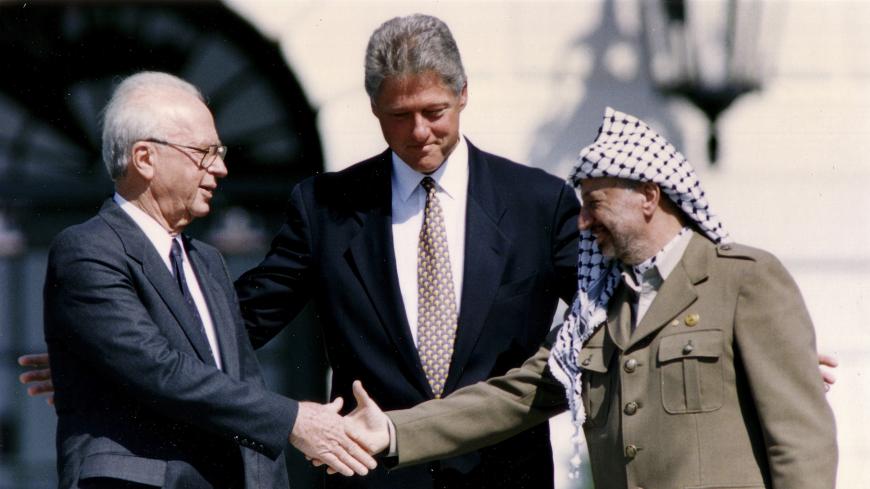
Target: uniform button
x=631, y=451
x=725, y=247
x=630, y=408
x=630, y=365
x=586, y=361
x=688, y=349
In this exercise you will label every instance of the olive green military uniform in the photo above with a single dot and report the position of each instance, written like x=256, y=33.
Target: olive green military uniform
x=718, y=387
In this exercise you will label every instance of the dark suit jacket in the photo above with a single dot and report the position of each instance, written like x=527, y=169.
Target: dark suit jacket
x=336, y=247
x=718, y=387
x=138, y=395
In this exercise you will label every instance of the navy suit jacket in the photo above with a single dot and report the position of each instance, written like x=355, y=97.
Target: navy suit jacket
x=336, y=248
x=138, y=395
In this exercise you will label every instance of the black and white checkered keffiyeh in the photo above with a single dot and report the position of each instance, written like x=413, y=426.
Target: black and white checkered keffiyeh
x=625, y=148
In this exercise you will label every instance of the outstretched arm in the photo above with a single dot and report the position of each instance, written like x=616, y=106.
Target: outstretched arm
x=481, y=414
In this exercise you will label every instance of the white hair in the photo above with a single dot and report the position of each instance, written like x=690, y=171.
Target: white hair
x=130, y=116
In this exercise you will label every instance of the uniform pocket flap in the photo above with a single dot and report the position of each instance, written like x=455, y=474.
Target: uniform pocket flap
x=124, y=467
x=595, y=358
x=694, y=344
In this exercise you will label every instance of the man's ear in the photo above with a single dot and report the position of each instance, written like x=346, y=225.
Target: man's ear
x=142, y=159
x=463, y=96
x=652, y=195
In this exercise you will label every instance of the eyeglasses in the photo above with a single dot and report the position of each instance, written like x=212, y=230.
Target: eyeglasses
x=209, y=154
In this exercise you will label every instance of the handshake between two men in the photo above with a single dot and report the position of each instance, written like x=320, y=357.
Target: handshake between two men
x=366, y=428
x=345, y=445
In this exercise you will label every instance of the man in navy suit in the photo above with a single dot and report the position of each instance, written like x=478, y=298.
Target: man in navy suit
x=359, y=243
x=156, y=381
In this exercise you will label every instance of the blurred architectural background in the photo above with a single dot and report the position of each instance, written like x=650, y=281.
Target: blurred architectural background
x=285, y=82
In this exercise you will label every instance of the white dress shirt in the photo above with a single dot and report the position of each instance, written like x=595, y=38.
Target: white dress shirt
x=162, y=241
x=409, y=202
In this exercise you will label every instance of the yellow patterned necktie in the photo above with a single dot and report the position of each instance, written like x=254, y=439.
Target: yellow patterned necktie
x=436, y=301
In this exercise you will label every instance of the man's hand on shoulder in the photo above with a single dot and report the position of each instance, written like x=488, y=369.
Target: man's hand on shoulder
x=826, y=363
x=38, y=378
x=319, y=433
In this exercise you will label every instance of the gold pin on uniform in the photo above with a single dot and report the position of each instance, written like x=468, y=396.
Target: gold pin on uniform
x=692, y=319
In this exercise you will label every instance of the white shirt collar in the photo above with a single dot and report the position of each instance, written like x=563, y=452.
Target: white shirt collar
x=156, y=234
x=451, y=178
x=673, y=252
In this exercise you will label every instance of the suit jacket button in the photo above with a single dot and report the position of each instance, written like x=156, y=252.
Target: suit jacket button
x=689, y=348
x=630, y=451
x=630, y=365
x=630, y=408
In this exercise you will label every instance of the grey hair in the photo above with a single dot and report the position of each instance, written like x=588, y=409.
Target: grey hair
x=410, y=46
x=130, y=116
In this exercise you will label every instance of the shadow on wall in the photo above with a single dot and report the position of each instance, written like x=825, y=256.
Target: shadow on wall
x=617, y=77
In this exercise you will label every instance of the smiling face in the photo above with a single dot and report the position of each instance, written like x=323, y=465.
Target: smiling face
x=613, y=211
x=419, y=118
x=180, y=188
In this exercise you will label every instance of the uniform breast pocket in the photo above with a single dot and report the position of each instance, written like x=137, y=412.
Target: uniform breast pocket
x=691, y=371
x=597, y=384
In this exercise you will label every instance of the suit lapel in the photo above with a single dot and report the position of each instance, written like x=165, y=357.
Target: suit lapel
x=371, y=254
x=485, y=250
x=677, y=292
x=221, y=314
x=140, y=249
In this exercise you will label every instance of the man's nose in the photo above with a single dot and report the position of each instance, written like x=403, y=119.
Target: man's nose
x=421, y=128
x=218, y=168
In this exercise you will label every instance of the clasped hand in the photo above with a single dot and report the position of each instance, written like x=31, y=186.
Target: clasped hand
x=367, y=426
x=344, y=445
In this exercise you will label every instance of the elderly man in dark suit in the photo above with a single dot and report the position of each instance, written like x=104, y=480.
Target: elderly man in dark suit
x=433, y=265
x=156, y=381
x=689, y=360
